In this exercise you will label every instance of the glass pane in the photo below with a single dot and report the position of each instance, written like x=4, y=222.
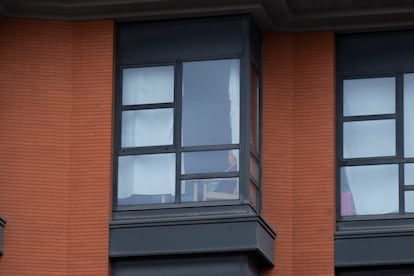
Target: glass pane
x=211, y=102
x=369, y=190
x=148, y=85
x=209, y=189
x=369, y=138
x=253, y=194
x=210, y=161
x=369, y=96
x=254, y=108
x=409, y=115
x=409, y=174
x=409, y=201
x=144, y=179
x=148, y=127
x=254, y=168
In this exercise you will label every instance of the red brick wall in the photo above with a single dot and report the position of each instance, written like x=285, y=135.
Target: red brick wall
x=56, y=136
x=298, y=150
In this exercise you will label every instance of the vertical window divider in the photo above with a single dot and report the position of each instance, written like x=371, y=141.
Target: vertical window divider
x=400, y=138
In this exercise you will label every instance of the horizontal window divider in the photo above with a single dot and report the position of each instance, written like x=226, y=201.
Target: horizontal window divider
x=370, y=161
x=409, y=187
x=146, y=65
x=369, y=117
x=209, y=175
x=147, y=150
x=147, y=106
x=409, y=160
x=210, y=148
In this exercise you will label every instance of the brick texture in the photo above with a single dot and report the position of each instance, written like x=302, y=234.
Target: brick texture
x=56, y=91
x=298, y=150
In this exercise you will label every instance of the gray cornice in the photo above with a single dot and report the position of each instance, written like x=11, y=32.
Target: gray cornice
x=276, y=15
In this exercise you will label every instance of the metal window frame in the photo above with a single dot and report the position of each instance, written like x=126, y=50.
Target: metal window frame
x=397, y=159
x=246, y=58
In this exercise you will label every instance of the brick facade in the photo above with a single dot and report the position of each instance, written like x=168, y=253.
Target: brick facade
x=56, y=83
x=299, y=150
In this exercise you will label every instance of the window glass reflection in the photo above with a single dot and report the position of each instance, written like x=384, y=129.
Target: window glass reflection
x=147, y=85
x=144, y=179
x=149, y=127
x=211, y=100
x=210, y=161
x=369, y=96
x=369, y=190
x=409, y=115
x=214, y=189
x=369, y=138
x=409, y=201
x=409, y=174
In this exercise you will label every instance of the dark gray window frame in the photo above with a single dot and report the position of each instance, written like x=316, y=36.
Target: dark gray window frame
x=243, y=46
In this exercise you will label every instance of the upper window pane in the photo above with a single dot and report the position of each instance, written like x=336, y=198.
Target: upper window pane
x=254, y=108
x=211, y=102
x=148, y=85
x=409, y=115
x=147, y=127
x=210, y=161
x=369, y=96
x=369, y=138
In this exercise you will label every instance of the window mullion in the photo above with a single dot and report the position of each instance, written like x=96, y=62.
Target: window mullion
x=400, y=139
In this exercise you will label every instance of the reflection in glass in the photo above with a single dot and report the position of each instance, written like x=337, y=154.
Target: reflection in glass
x=144, y=179
x=373, y=188
x=409, y=201
x=409, y=115
x=254, y=108
x=214, y=189
x=253, y=194
x=369, y=138
x=210, y=161
x=409, y=174
x=148, y=127
x=254, y=168
x=369, y=96
x=148, y=85
x=211, y=102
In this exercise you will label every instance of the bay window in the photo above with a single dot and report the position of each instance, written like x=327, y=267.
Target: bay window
x=187, y=123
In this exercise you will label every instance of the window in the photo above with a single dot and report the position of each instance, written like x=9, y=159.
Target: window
x=184, y=117
x=375, y=83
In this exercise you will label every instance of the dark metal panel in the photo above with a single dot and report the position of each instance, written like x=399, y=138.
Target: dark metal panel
x=374, y=249
x=2, y=224
x=213, y=265
x=376, y=53
x=378, y=271
x=244, y=234
x=178, y=40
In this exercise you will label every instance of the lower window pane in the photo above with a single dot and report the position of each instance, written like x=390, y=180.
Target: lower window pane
x=209, y=189
x=409, y=174
x=369, y=190
x=146, y=179
x=409, y=201
x=253, y=194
